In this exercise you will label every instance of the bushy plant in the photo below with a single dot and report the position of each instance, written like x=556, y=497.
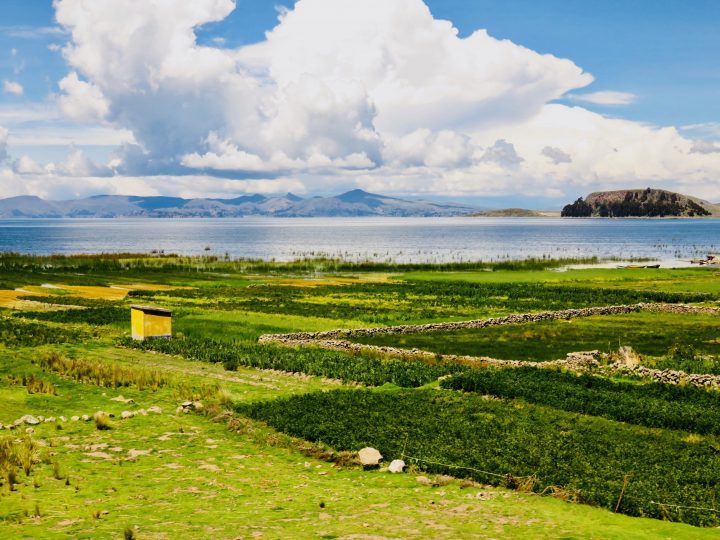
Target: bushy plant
x=494, y=442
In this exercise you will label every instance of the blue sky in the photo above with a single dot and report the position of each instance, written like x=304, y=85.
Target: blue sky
x=664, y=51
x=657, y=63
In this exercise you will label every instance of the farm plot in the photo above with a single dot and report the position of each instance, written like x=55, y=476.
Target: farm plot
x=649, y=333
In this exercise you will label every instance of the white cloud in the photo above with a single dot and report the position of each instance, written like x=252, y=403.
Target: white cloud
x=557, y=155
x=701, y=146
x=503, y=153
x=606, y=97
x=377, y=94
x=27, y=165
x=3, y=143
x=82, y=101
x=12, y=87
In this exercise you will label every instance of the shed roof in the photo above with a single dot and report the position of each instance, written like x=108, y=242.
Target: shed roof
x=150, y=310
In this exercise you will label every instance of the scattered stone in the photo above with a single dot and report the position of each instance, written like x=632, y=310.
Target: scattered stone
x=197, y=405
x=50, y=419
x=126, y=414
x=85, y=418
x=62, y=418
x=154, y=409
x=123, y=399
x=132, y=453
x=179, y=410
x=424, y=480
x=369, y=457
x=397, y=466
x=29, y=431
x=74, y=418
x=100, y=455
x=142, y=412
x=28, y=419
x=41, y=418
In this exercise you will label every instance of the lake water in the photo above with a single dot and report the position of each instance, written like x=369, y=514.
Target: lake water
x=380, y=239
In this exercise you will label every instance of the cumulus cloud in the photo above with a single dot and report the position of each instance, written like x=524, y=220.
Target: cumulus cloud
x=705, y=147
x=12, y=87
x=3, y=143
x=292, y=101
x=503, y=153
x=374, y=94
x=606, y=97
x=556, y=155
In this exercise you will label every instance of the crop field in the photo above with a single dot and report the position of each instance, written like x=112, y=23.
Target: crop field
x=211, y=434
x=650, y=334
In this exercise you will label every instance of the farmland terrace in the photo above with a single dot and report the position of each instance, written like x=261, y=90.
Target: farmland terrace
x=218, y=433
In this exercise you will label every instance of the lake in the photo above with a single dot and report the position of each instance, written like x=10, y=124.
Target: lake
x=379, y=239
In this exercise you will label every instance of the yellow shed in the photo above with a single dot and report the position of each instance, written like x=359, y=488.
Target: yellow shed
x=150, y=322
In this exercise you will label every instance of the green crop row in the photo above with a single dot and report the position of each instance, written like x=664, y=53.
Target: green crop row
x=91, y=315
x=401, y=302
x=308, y=360
x=14, y=333
x=639, y=471
x=655, y=405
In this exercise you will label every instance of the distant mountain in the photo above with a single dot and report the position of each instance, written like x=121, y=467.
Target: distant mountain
x=515, y=212
x=640, y=203
x=352, y=203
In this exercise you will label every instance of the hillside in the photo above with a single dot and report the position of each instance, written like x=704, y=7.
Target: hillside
x=352, y=203
x=514, y=212
x=640, y=203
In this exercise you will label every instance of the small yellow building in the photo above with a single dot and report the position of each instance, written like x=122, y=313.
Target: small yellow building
x=150, y=322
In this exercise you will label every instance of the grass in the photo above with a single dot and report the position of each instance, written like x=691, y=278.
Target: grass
x=583, y=457
x=648, y=333
x=217, y=474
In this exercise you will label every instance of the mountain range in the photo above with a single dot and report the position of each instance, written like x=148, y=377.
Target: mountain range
x=352, y=203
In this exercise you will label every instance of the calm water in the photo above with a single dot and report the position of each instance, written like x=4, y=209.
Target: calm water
x=397, y=239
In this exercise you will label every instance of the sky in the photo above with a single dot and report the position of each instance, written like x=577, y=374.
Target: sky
x=497, y=102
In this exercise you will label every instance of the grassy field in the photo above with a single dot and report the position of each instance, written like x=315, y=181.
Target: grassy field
x=651, y=334
x=264, y=457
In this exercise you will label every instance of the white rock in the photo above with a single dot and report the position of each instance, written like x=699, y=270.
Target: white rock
x=62, y=418
x=29, y=420
x=74, y=418
x=50, y=419
x=85, y=417
x=29, y=431
x=142, y=412
x=126, y=414
x=155, y=409
x=369, y=456
x=397, y=466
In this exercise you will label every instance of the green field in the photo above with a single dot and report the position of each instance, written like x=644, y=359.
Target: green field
x=651, y=334
x=270, y=453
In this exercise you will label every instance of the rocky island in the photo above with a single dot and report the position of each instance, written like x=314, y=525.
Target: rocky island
x=640, y=203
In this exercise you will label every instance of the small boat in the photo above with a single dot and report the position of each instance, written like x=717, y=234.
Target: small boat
x=640, y=266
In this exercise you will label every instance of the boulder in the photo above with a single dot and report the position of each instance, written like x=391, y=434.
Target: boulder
x=155, y=409
x=74, y=418
x=369, y=457
x=397, y=466
x=126, y=414
x=29, y=419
